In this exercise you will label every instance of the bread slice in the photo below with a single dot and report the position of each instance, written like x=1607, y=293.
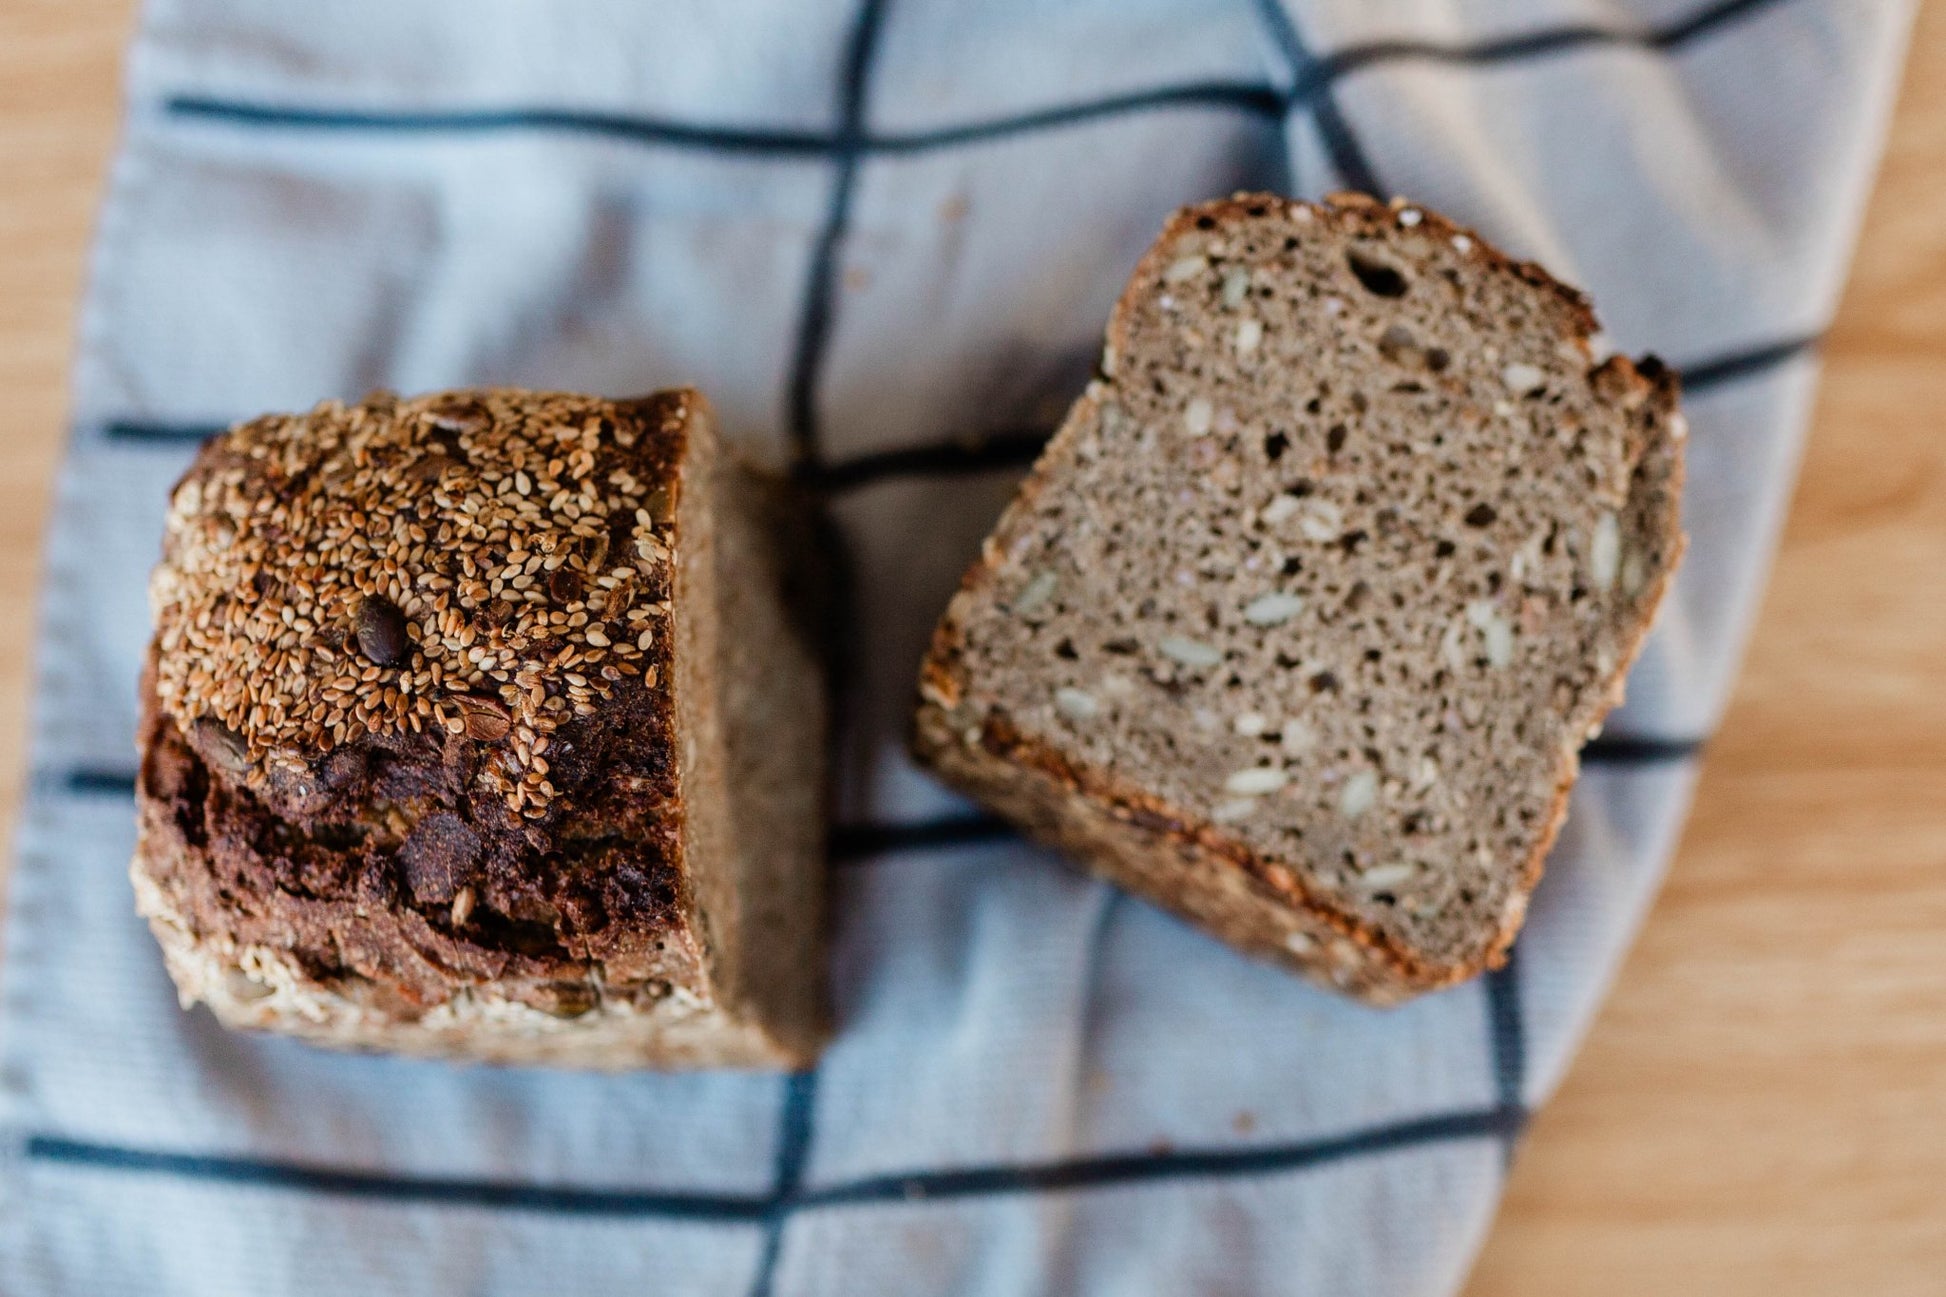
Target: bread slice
x=488, y=725
x=1298, y=624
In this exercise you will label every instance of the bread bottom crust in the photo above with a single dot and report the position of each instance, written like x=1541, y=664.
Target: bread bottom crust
x=259, y=988
x=1152, y=853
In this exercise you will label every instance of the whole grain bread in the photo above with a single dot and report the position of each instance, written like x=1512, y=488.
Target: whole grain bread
x=1299, y=623
x=489, y=725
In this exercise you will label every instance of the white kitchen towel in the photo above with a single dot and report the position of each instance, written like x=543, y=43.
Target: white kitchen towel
x=886, y=233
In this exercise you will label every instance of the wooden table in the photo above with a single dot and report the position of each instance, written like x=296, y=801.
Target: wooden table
x=1761, y=1108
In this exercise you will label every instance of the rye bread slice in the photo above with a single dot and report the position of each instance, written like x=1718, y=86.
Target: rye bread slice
x=1299, y=623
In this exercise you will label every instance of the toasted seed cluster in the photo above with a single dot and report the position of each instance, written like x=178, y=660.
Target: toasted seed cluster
x=490, y=563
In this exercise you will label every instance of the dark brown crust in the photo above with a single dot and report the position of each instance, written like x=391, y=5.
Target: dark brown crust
x=389, y=865
x=356, y=904
x=1385, y=970
x=1658, y=484
x=1154, y=816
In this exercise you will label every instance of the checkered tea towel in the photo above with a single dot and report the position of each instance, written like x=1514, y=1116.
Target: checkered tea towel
x=887, y=233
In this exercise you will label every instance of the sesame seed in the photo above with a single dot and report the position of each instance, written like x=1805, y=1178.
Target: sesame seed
x=379, y=585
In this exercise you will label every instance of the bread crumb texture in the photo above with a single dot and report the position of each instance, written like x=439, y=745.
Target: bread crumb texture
x=1325, y=581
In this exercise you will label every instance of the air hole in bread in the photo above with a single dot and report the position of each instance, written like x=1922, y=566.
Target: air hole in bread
x=1377, y=276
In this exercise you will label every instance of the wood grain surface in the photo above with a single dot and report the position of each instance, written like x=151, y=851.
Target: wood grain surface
x=1761, y=1108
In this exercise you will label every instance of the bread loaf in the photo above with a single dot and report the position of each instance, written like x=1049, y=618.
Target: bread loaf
x=485, y=725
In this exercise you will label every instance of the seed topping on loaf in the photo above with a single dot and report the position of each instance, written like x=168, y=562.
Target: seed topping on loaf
x=487, y=564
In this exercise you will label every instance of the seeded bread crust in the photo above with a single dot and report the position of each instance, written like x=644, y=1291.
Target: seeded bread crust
x=1121, y=829
x=438, y=727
